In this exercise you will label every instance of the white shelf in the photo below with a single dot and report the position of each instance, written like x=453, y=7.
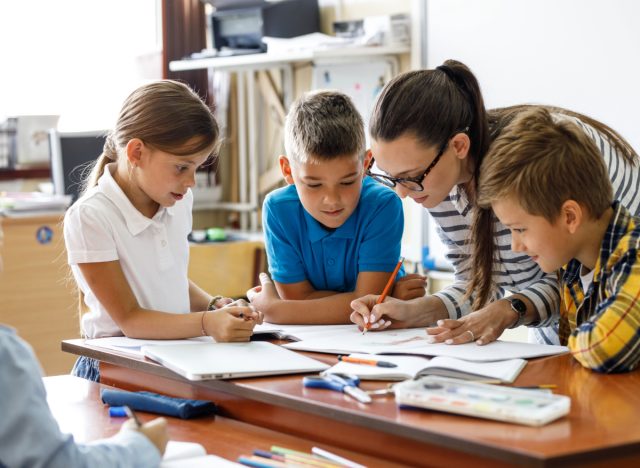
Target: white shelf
x=274, y=60
x=245, y=66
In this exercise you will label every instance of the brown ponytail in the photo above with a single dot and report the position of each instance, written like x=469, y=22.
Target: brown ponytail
x=94, y=170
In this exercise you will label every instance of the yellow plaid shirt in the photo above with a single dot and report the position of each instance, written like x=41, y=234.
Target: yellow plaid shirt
x=602, y=326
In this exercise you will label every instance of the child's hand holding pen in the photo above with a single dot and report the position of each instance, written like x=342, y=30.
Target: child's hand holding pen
x=251, y=314
x=233, y=322
x=155, y=430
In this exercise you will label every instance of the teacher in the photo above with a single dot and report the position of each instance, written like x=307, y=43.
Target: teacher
x=429, y=134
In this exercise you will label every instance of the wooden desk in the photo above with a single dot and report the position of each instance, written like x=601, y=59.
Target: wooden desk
x=602, y=427
x=77, y=407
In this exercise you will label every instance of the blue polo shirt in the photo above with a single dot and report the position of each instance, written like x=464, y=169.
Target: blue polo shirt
x=300, y=248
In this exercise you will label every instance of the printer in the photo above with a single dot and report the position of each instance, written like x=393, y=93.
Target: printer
x=238, y=26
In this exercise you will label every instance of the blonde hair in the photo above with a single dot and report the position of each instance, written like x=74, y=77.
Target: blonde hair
x=541, y=161
x=166, y=115
x=323, y=125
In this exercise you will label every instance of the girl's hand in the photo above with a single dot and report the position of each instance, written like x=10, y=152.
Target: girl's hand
x=223, y=301
x=255, y=315
x=231, y=323
x=155, y=431
x=410, y=286
x=482, y=326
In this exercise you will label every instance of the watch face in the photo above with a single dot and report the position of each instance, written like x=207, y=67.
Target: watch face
x=519, y=306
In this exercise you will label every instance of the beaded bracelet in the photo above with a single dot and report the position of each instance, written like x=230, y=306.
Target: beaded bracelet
x=212, y=302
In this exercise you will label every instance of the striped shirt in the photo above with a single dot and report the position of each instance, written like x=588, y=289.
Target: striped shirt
x=516, y=272
x=602, y=327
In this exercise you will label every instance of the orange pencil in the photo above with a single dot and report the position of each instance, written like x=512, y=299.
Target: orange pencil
x=386, y=290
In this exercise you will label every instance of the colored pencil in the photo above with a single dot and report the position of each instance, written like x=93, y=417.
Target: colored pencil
x=385, y=291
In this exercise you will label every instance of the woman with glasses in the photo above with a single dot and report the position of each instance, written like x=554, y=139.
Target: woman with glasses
x=429, y=134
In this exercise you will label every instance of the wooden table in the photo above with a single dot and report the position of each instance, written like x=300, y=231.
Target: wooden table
x=602, y=427
x=77, y=407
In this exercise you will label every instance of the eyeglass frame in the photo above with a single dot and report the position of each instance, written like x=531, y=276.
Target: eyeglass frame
x=391, y=182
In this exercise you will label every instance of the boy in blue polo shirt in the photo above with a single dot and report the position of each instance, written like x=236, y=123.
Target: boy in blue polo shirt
x=332, y=235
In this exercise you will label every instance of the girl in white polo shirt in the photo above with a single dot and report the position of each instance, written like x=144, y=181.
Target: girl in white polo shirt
x=126, y=237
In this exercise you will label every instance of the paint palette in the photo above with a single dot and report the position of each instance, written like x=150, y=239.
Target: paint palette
x=520, y=406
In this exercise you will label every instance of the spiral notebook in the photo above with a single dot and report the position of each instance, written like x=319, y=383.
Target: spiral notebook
x=207, y=361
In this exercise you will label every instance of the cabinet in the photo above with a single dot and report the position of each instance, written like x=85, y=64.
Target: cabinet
x=226, y=268
x=37, y=293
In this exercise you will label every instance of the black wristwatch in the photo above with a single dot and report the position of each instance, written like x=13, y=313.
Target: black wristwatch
x=520, y=308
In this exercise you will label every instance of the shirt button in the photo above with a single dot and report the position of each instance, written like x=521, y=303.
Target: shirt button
x=163, y=243
x=331, y=262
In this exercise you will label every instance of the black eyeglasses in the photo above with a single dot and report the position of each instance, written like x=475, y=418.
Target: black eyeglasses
x=412, y=183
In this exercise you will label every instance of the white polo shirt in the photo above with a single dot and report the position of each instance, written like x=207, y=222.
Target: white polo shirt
x=104, y=226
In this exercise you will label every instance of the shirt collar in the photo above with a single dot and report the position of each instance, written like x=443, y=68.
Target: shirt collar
x=617, y=228
x=318, y=232
x=458, y=196
x=136, y=222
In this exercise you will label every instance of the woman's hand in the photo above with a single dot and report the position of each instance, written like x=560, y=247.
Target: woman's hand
x=392, y=313
x=482, y=326
x=410, y=287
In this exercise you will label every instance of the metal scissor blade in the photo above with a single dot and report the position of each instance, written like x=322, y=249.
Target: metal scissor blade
x=357, y=393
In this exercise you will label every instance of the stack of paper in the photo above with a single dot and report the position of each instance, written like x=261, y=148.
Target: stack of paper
x=24, y=203
x=414, y=341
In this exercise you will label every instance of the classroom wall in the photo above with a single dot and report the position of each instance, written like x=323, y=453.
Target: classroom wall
x=579, y=54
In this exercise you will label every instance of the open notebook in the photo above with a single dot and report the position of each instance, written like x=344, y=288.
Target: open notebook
x=409, y=367
x=191, y=455
x=206, y=361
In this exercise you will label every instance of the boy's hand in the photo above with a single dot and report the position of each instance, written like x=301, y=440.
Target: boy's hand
x=231, y=323
x=155, y=431
x=410, y=286
x=265, y=296
x=392, y=313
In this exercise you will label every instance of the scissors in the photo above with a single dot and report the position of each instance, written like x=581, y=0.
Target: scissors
x=339, y=383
